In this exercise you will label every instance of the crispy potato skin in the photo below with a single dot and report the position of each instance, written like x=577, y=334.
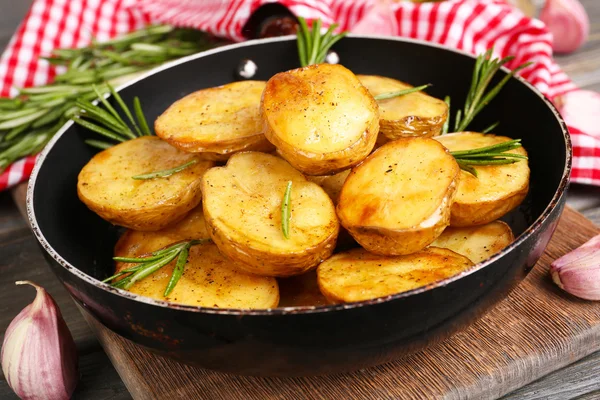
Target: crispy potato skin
x=209, y=279
x=301, y=291
x=477, y=243
x=398, y=200
x=358, y=275
x=321, y=118
x=242, y=205
x=106, y=187
x=220, y=120
x=415, y=114
x=497, y=190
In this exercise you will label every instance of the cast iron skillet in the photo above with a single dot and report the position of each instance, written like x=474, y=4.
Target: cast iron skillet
x=311, y=340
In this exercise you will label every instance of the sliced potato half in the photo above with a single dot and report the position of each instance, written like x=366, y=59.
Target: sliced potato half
x=414, y=114
x=106, y=186
x=477, y=243
x=398, y=200
x=497, y=190
x=301, y=291
x=242, y=204
x=209, y=279
x=358, y=275
x=332, y=184
x=320, y=118
x=220, y=120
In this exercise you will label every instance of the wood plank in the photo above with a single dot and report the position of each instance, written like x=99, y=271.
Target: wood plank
x=536, y=330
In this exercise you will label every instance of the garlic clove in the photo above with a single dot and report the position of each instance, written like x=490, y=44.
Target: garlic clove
x=578, y=272
x=39, y=358
x=568, y=22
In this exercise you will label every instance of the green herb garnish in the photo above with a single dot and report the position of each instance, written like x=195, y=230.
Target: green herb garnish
x=446, y=125
x=478, y=96
x=165, y=173
x=155, y=261
x=286, y=213
x=312, y=46
x=490, y=155
x=389, y=95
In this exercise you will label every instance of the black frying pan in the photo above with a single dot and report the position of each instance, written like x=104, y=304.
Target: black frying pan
x=311, y=340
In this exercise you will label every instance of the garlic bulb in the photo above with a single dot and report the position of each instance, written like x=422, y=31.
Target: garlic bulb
x=578, y=272
x=39, y=359
x=568, y=22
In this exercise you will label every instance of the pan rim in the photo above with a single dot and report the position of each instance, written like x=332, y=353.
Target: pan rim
x=563, y=184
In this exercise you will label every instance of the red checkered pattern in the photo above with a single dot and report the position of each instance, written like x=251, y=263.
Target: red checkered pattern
x=470, y=25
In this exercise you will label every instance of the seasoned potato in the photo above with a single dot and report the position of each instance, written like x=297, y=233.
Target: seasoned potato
x=220, y=120
x=496, y=190
x=332, y=184
x=359, y=275
x=398, y=200
x=242, y=204
x=477, y=243
x=209, y=279
x=106, y=186
x=301, y=290
x=414, y=114
x=320, y=118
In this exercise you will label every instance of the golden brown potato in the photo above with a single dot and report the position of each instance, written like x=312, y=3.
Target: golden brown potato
x=332, y=184
x=477, y=243
x=300, y=291
x=496, y=190
x=242, y=204
x=414, y=114
x=220, y=120
x=398, y=200
x=209, y=279
x=359, y=275
x=320, y=118
x=106, y=185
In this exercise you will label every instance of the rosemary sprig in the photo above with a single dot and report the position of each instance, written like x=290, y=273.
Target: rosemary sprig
x=478, y=96
x=165, y=173
x=446, y=125
x=490, y=155
x=37, y=113
x=389, y=95
x=155, y=261
x=312, y=46
x=286, y=213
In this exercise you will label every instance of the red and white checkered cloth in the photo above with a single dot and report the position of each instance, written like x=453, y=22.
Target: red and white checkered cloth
x=470, y=25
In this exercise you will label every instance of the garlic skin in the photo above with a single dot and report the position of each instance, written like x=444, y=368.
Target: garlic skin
x=39, y=358
x=578, y=272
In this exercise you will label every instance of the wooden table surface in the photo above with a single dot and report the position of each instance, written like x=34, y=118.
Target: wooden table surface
x=20, y=259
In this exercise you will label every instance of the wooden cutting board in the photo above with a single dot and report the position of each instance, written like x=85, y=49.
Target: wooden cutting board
x=537, y=329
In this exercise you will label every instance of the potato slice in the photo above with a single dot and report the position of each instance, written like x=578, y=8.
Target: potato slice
x=242, y=204
x=358, y=275
x=301, y=291
x=398, y=200
x=106, y=186
x=332, y=184
x=415, y=114
x=209, y=279
x=220, y=120
x=496, y=190
x=477, y=243
x=320, y=118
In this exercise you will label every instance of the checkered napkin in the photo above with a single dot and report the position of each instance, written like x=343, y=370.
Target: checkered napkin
x=470, y=25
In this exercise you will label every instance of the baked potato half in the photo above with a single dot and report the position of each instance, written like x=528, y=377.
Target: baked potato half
x=209, y=279
x=321, y=118
x=497, y=189
x=218, y=121
x=414, y=114
x=301, y=291
x=242, y=204
x=398, y=200
x=332, y=184
x=477, y=243
x=106, y=186
x=358, y=275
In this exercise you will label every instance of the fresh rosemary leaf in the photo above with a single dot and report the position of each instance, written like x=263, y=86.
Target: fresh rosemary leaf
x=491, y=127
x=500, y=147
x=13, y=123
x=149, y=268
x=98, y=144
x=446, y=125
x=126, y=111
x=98, y=129
x=389, y=95
x=164, y=173
x=468, y=169
x=101, y=116
x=489, y=155
x=312, y=46
x=139, y=114
x=121, y=273
x=178, y=270
x=52, y=116
x=491, y=161
x=13, y=133
x=286, y=213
